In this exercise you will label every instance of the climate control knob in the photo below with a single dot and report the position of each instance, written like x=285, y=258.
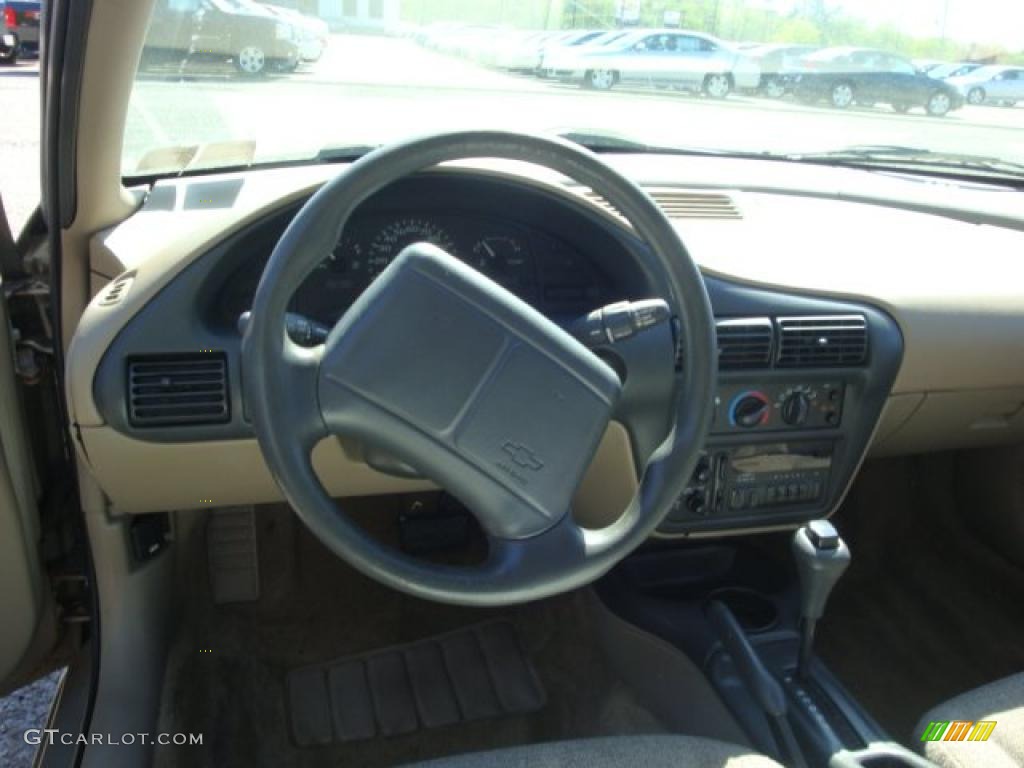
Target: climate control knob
x=795, y=409
x=751, y=410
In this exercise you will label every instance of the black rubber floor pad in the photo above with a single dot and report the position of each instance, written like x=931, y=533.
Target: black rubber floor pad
x=470, y=674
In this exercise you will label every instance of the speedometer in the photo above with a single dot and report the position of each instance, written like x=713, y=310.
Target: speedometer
x=392, y=239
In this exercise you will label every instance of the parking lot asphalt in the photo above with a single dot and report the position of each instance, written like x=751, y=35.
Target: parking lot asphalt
x=19, y=140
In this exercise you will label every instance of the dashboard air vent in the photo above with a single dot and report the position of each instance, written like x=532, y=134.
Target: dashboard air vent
x=117, y=290
x=178, y=390
x=822, y=342
x=695, y=205
x=744, y=343
x=678, y=204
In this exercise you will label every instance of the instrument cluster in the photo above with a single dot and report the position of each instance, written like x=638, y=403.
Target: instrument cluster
x=544, y=271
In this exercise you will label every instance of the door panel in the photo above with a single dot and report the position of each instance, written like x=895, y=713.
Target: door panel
x=24, y=588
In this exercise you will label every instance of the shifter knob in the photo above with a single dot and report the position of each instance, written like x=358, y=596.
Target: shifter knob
x=821, y=558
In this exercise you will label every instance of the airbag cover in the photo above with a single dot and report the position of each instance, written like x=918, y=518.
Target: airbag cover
x=456, y=376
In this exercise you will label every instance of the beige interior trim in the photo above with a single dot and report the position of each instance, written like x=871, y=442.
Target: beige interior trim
x=609, y=483
x=141, y=477
x=947, y=420
x=114, y=44
x=898, y=410
x=22, y=592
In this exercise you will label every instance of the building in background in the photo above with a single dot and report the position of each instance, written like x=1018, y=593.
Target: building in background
x=380, y=15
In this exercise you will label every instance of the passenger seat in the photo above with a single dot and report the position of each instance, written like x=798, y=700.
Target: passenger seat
x=1001, y=702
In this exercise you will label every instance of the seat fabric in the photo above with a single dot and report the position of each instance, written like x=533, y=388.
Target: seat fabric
x=1001, y=701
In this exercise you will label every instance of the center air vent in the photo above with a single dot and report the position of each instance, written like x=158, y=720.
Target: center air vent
x=178, y=390
x=822, y=342
x=744, y=343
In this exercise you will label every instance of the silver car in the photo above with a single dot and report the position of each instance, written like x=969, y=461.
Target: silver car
x=669, y=57
x=991, y=85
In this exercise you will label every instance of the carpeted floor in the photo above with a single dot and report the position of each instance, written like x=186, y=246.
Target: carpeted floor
x=926, y=611
x=313, y=608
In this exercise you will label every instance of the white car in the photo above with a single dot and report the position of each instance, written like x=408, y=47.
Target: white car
x=668, y=57
x=521, y=52
x=991, y=85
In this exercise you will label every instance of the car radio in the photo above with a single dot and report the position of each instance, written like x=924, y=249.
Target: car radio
x=749, y=478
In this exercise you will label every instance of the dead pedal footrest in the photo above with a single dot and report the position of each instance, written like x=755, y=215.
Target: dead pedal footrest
x=471, y=674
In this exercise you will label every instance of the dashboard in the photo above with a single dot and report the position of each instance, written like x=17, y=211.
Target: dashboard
x=790, y=428
x=543, y=270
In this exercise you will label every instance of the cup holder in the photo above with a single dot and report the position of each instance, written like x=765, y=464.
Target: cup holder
x=754, y=611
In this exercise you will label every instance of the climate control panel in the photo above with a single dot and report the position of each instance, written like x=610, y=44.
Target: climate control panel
x=780, y=406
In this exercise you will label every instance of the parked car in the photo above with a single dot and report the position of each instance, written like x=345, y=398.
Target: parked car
x=668, y=57
x=8, y=41
x=946, y=71
x=20, y=31
x=777, y=62
x=311, y=33
x=847, y=76
x=574, y=39
x=238, y=31
x=518, y=51
x=927, y=65
x=991, y=85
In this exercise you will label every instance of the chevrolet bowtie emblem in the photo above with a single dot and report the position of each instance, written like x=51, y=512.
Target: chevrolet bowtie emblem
x=522, y=456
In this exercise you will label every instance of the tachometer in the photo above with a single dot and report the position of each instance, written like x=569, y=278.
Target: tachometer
x=390, y=241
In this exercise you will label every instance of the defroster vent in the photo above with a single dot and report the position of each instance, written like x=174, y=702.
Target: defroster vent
x=822, y=342
x=178, y=390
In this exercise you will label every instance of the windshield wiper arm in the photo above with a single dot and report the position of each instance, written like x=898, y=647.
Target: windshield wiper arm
x=912, y=157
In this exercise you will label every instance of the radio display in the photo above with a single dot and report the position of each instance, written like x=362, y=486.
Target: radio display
x=781, y=457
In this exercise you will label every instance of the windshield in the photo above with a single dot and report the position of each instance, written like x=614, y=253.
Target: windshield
x=230, y=84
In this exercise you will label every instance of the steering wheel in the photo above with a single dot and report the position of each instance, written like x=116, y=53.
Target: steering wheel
x=446, y=371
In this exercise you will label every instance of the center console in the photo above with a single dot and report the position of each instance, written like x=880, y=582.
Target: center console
x=800, y=394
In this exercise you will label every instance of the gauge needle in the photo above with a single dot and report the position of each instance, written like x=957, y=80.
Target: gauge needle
x=489, y=249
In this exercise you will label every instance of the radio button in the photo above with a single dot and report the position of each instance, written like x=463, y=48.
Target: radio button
x=697, y=505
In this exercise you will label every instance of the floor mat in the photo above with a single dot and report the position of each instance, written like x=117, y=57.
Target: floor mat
x=475, y=673
x=313, y=610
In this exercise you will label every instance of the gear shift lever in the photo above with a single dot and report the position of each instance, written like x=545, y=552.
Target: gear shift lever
x=821, y=558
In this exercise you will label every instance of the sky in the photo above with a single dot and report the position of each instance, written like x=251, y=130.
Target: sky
x=999, y=22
